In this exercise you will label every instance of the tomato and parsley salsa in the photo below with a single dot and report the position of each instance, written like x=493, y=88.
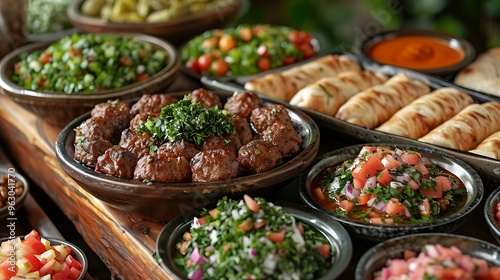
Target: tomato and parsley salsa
x=246, y=49
x=252, y=239
x=88, y=63
x=389, y=186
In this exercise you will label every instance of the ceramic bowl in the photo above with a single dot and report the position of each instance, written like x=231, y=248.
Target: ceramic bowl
x=76, y=252
x=490, y=210
x=464, y=172
x=332, y=230
x=60, y=108
x=4, y=211
x=468, y=50
x=375, y=258
x=175, y=30
x=164, y=201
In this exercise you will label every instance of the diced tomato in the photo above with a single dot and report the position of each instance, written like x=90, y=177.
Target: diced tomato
x=276, y=236
x=73, y=263
x=142, y=77
x=374, y=214
x=288, y=60
x=324, y=250
x=443, y=183
x=398, y=267
x=421, y=168
x=264, y=64
x=411, y=159
x=6, y=269
x=380, y=153
x=45, y=57
x=33, y=234
x=358, y=184
x=346, y=205
x=361, y=173
x=300, y=227
x=34, y=261
x=75, y=273
x=394, y=208
x=408, y=254
x=125, y=61
x=368, y=169
x=366, y=150
x=375, y=165
x=262, y=51
x=65, y=271
x=494, y=273
x=384, y=177
x=204, y=62
x=259, y=224
x=363, y=199
x=34, y=245
x=438, y=193
x=202, y=220
x=251, y=204
x=193, y=66
x=68, y=250
x=220, y=67
x=212, y=212
x=378, y=221
x=413, y=185
x=59, y=276
x=47, y=268
x=246, y=225
x=390, y=162
x=425, y=207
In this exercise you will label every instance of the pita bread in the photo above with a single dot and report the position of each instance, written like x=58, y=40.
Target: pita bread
x=490, y=147
x=483, y=74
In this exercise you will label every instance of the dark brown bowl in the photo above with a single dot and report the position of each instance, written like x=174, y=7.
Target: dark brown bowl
x=164, y=201
x=176, y=30
x=60, y=108
x=5, y=211
x=455, y=42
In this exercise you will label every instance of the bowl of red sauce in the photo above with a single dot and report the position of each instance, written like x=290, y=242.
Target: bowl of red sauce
x=492, y=213
x=379, y=191
x=426, y=51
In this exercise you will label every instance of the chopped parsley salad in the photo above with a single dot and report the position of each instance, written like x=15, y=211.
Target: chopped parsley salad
x=252, y=239
x=246, y=49
x=435, y=262
x=88, y=63
x=386, y=186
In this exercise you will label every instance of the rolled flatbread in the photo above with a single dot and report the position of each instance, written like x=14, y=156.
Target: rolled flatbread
x=490, y=147
x=372, y=107
x=328, y=94
x=483, y=74
x=426, y=112
x=468, y=128
x=283, y=85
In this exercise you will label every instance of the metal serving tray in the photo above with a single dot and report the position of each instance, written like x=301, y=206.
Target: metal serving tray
x=489, y=169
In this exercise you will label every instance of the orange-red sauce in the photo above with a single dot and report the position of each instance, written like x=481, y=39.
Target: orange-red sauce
x=415, y=52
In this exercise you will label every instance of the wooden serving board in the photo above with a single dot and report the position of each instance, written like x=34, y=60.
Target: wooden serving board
x=126, y=243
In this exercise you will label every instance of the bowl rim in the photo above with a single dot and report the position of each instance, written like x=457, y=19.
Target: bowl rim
x=360, y=269
x=78, y=252
x=468, y=49
x=77, y=18
x=470, y=205
x=337, y=236
x=26, y=188
x=125, y=186
x=488, y=212
x=15, y=90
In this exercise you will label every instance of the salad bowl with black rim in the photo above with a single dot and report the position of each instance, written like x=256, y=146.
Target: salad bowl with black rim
x=59, y=108
x=490, y=210
x=164, y=201
x=376, y=233
x=336, y=235
x=376, y=258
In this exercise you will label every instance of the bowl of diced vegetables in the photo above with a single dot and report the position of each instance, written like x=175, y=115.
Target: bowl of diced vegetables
x=246, y=50
x=492, y=213
x=14, y=189
x=254, y=239
x=430, y=256
x=175, y=21
x=379, y=191
x=47, y=20
x=63, y=79
x=44, y=258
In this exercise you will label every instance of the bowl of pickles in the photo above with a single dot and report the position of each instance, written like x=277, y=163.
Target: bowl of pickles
x=175, y=21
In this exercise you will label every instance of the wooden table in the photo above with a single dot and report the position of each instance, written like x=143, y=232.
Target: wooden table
x=125, y=243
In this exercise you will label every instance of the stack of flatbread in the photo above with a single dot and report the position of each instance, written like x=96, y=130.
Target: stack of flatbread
x=284, y=85
x=483, y=74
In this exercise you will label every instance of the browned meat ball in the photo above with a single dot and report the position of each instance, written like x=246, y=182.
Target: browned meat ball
x=207, y=98
x=135, y=123
x=137, y=143
x=228, y=142
x=117, y=161
x=97, y=127
x=258, y=156
x=214, y=165
x=242, y=104
x=179, y=148
x=152, y=103
x=263, y=117
x=284, y=137
x=89, y=149
x=166, y=169
x=242, y=129
x=115, y=112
